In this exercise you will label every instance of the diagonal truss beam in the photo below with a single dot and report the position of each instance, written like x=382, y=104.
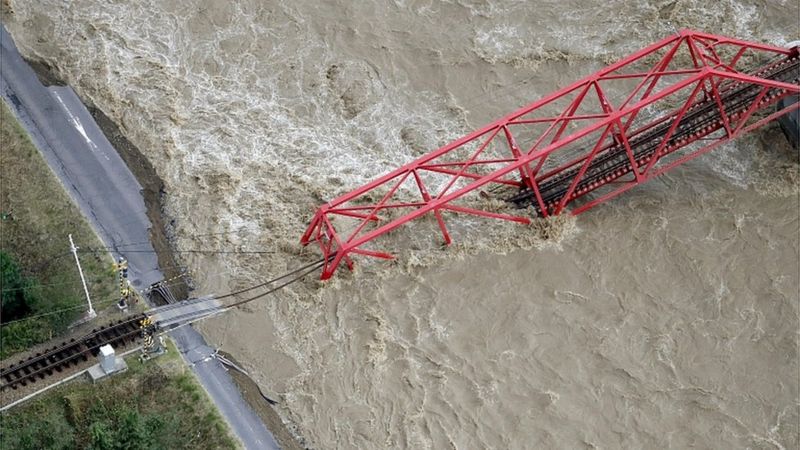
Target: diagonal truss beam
x=573, y=142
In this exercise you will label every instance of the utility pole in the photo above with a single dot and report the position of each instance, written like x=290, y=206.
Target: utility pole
x=91, y=313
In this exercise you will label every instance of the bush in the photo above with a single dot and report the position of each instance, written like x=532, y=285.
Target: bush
x=17, y=290
x=49, y=430
x=23, y=298
x=41, y=277
x=118, y=414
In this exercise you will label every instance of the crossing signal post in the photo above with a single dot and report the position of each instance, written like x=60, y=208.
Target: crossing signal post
x=152, y=345
x=124, y=284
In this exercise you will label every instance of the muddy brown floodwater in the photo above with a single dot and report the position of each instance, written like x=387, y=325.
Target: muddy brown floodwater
x=666, y=318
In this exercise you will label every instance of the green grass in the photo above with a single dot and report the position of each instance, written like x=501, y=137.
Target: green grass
x=154, y=405
x=36, y=236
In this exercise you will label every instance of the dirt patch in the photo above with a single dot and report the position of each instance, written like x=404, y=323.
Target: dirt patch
x=45, y=72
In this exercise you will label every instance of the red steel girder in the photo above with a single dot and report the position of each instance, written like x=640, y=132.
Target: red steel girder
x=619, y=127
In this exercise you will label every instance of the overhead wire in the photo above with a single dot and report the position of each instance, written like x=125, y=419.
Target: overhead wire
x=40, y=286
x=59, y=311
x=314, y=265
x=277, y=288
x=41, y=265
x=221, y=233
x=77, y=283
x=303, y=270
x=202, y=251
x=306, y=269
x=101, y=302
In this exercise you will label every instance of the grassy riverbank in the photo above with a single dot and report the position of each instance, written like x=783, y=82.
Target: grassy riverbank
x=158, y=404
x=154, y=405
x=36, y=217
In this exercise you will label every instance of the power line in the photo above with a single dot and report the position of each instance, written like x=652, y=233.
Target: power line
x=44, y=263
x=40, y=285
x=280, y=286
x=203, y=251
x=314, y=265
x=58, y=311
x=105, y=302
x=39, y=266
x=130, y=244
x=303, y=272
x=74, y=283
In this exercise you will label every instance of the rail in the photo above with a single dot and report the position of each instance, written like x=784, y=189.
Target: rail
x=73, y=352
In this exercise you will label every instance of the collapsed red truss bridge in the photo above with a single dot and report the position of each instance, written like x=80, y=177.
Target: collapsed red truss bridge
x=576, y=148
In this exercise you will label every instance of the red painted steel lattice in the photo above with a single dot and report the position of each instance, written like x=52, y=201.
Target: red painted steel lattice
x=601, y=136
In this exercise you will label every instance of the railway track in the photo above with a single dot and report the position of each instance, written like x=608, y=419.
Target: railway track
x=127, y=331
x=700, y=120
x=59, y=358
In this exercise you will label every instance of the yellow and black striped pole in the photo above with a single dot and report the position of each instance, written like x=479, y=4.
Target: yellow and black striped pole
x=148, y=328
x=124, y=290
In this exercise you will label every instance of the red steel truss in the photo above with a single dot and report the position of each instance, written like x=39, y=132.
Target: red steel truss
x=586, y=143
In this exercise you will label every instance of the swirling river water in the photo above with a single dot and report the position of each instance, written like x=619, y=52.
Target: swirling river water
x=666, y=318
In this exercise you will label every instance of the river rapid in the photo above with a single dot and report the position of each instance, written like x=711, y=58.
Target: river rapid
x=666, y=318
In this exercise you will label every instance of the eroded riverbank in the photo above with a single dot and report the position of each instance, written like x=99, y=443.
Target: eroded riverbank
x=667, y=318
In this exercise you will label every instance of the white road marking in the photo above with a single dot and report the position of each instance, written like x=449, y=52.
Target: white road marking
x=78, y=125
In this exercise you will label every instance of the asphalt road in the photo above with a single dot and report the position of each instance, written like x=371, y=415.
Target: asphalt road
x=109, y=196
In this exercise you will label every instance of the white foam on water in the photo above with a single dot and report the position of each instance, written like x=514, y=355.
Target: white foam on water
x=669, y=313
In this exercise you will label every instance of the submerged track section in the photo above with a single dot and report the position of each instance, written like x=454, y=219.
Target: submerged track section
x=701, y=120
x=580, y=146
